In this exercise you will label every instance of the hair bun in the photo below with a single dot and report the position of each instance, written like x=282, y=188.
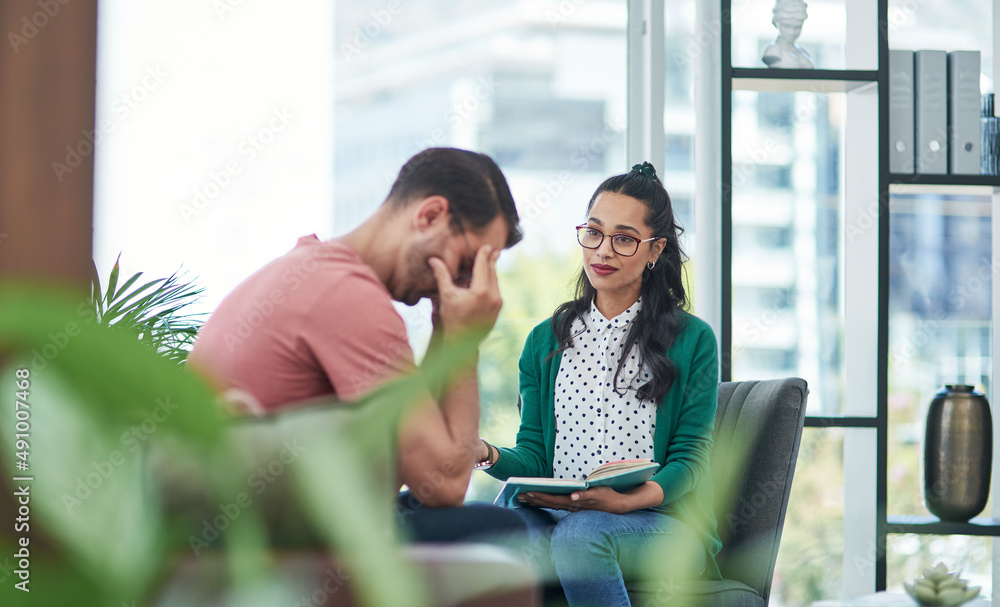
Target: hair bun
x=645, y=169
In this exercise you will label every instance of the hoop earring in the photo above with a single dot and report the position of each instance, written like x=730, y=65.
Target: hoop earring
x=651, y=264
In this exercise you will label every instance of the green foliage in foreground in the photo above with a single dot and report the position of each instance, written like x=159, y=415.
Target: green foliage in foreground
x=135, y=466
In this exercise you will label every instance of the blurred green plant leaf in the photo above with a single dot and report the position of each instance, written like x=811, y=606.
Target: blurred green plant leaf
x=96, y=396
x=100, y=394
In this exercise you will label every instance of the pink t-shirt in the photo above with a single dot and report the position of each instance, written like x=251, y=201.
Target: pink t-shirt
x=316, y=321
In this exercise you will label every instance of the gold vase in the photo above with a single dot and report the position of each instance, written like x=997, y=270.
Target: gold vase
x=958, y=453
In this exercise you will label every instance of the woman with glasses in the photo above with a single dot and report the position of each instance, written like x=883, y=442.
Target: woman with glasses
x=620, y=372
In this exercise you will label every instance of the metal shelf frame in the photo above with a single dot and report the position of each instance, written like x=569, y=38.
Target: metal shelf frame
x=820, y=81
x=864, y=44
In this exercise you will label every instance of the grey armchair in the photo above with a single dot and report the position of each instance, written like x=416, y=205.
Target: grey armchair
x=758, y=427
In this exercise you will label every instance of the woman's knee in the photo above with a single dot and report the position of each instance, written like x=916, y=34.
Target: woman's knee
x=581, y=530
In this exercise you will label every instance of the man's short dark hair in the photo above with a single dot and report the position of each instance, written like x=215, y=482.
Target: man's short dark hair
x=472, y=182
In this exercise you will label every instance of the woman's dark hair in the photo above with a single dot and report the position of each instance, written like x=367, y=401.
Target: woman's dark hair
x=472, y=182
x=662, y=289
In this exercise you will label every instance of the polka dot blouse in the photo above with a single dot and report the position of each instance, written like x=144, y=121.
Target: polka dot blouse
x=594, y=422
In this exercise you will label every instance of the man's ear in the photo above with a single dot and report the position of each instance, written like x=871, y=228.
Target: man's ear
x=431, y=212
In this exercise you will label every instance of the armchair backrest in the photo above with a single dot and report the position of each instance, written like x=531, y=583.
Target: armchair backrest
x=758, y=427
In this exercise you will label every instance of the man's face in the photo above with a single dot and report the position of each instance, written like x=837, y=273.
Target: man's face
x=457, y=249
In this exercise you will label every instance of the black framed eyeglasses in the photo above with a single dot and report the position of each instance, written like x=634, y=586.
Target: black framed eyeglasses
x=624, y=244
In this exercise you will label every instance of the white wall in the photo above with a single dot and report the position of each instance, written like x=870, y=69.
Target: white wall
x=229, y=98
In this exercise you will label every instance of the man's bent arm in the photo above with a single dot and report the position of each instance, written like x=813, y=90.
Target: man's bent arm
x=437, y=443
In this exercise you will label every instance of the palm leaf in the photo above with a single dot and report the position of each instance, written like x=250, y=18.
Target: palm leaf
x=95, y=291
x=128, y=283
x=117, y=306
x=113, y=279
x=152, y=310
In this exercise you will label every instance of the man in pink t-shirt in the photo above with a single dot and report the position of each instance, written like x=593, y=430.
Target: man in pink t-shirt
x=320, y=321
x=316, y=321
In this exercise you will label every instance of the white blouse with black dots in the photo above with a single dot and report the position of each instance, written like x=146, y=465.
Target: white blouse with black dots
x=594, y=423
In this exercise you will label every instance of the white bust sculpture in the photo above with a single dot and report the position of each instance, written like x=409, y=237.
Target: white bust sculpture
x=787, y=16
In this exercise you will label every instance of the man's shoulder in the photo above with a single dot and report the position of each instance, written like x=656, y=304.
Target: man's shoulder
x=314, y=282
x=312, y=253
x=315, y=265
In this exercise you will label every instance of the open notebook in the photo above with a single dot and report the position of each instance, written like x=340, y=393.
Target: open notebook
x=621, y=476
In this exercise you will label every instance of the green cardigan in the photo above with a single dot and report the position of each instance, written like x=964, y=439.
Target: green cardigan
x=681, y=442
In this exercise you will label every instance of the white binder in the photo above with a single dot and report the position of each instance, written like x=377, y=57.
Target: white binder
x=930, y=108
x=964, y=125
x=901, y=157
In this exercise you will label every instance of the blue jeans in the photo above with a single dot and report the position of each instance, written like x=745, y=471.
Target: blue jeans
x=593, y=553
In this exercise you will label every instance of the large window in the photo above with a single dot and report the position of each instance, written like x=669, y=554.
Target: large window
x=213, y=143
x=787, y=306
x=538, y=86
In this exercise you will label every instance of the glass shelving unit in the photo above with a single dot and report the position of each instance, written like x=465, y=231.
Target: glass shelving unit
x=866, y=269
